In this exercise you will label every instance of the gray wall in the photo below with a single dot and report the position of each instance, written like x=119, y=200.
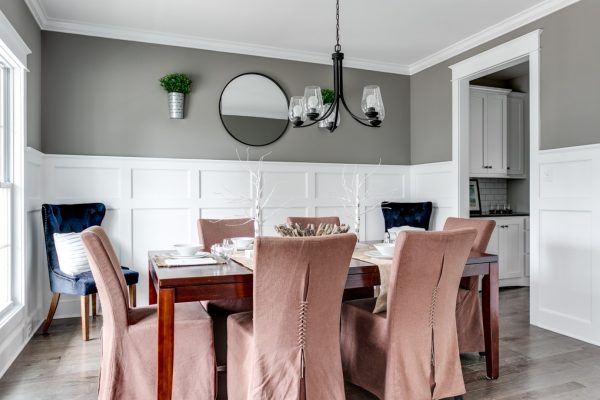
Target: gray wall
x=570, y=80
x=102, y=97
x=21, y=19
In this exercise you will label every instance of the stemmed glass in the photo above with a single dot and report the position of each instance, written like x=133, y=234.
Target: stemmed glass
x=228, y=248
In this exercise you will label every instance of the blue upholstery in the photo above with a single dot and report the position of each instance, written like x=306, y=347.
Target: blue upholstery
x=416, y=215
x=66, y=218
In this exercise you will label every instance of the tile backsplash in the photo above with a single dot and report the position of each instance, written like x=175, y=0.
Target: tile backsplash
x=493, y=192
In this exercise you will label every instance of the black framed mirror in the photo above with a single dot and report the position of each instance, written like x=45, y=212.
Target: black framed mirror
x=254, y=109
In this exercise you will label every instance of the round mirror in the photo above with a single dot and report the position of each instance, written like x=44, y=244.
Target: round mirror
x=254, y=109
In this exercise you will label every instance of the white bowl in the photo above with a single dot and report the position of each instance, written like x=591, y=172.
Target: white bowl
x=242, y=243
x=385, y=249
x=184, y=249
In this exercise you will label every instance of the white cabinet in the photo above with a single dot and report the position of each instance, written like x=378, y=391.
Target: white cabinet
x=488, y=131
x=509, y=242
x=516, y=130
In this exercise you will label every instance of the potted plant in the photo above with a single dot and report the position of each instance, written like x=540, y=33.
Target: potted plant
x=328, y=97
x=177, y=85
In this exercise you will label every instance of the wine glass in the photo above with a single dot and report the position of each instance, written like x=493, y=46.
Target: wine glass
x=228, y=248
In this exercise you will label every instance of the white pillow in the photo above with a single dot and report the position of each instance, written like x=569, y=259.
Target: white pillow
x=72, y=257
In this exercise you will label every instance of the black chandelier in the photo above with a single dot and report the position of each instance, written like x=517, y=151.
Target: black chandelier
x=311, y=107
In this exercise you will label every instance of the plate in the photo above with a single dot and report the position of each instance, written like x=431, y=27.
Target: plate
x=200, y=254
x=376, y=254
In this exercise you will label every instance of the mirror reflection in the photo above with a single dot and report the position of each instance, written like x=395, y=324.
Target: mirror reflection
x=254, y=109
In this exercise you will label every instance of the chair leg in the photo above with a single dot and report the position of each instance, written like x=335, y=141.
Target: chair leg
x=132, y=296
x=85, y=317
x=93, y=304
x=51, y=311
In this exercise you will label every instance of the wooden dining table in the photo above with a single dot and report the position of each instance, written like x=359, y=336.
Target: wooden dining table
x=232, y=280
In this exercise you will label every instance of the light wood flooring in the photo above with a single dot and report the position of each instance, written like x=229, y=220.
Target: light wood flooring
x=535, y=363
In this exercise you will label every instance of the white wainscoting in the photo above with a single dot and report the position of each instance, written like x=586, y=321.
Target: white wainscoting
x=153, y=203
x=436, y=182
x=565, y=242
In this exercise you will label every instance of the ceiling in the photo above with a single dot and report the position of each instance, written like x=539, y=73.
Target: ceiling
x=400, y=36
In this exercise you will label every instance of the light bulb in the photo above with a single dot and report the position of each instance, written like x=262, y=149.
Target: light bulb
x=371, y=100
x=297, y=110
x=313, y=101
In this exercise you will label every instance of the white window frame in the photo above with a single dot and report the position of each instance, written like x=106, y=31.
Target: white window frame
x=13, y=55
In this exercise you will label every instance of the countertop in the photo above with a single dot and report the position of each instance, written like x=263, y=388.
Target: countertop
x=514, y=214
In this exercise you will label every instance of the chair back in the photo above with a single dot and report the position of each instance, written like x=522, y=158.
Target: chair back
x=108, y=276
x=213, y=231
x=316, y=221
x=416, y=215
x=484, y=228
x=67, y=218
x=423, y=358
x=298, y=288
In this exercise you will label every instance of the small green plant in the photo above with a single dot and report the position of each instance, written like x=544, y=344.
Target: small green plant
x=327, y=95
x=179, y=83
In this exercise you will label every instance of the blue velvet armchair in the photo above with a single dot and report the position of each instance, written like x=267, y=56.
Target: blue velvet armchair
x=416, y=215
x=67, y=218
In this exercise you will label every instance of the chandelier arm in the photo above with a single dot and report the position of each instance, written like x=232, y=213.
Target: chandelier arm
x=357, y=118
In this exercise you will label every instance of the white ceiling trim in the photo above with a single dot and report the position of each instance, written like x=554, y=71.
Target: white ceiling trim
x=510, y=24
x=106, y=31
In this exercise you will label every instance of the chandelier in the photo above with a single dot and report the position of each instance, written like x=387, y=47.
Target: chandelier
x=311, y=107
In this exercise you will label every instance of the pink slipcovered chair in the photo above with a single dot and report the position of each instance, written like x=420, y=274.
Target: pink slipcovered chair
x=129, y=336
x=410, y=351
x=288, y=347
x=213, y=231
x=313, y=220
x=469, y=321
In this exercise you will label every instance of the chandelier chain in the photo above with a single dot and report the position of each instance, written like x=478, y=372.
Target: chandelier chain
x=337, y=26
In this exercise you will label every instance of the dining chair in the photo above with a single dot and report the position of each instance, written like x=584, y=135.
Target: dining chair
x=69, y=218
x=288, y=347
x=416, y=215
x=210, y=232
x=410, y=351
x=316, y=221
x=129, y=336
x=469, y=320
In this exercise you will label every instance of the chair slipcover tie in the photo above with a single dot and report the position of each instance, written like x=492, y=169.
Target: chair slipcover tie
x=302, y=313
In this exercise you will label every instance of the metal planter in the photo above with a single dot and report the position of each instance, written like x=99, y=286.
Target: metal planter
x=176, y=101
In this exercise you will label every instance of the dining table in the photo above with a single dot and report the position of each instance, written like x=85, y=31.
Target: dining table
x=231, y=279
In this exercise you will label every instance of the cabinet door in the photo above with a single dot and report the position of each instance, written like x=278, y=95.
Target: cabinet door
x=516, y=138
x=477, y=130
x=495, y=133
x=510, y=250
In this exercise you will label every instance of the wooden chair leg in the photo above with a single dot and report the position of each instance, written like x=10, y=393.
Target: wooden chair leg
x=132, y=296
x=85, y=317
x=93, y=304
x=51, y=311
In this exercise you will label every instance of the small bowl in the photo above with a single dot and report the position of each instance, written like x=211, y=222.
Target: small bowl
x=186, y=249
x=242, y=243
x=385, y=249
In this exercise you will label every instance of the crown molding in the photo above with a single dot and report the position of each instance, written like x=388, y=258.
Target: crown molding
x=111, y=32
x=510, y=24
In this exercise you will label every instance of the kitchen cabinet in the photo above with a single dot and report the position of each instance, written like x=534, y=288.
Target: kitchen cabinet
x=509, y=242
x=497, y=133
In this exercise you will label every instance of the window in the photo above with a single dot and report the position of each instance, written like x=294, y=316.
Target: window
x=6, y=186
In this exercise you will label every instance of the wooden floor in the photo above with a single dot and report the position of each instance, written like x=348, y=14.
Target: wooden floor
x=535, y=363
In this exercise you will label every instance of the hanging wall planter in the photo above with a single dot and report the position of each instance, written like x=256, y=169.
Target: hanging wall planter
x=177, y=85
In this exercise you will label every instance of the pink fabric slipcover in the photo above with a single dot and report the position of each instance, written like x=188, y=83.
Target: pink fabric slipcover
x=469, y=320
x=411, y=352
x=313, y=220
x=288, y=347
x=213, y=231
x=129, y=336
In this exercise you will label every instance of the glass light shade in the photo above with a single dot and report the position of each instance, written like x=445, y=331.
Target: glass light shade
x=297, y=112
x=313, y=102
x=328, y=122
x=372, y=103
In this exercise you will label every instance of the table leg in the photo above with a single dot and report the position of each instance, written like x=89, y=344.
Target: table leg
x=152, y=296
x=166, y=339
x=491, y=315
